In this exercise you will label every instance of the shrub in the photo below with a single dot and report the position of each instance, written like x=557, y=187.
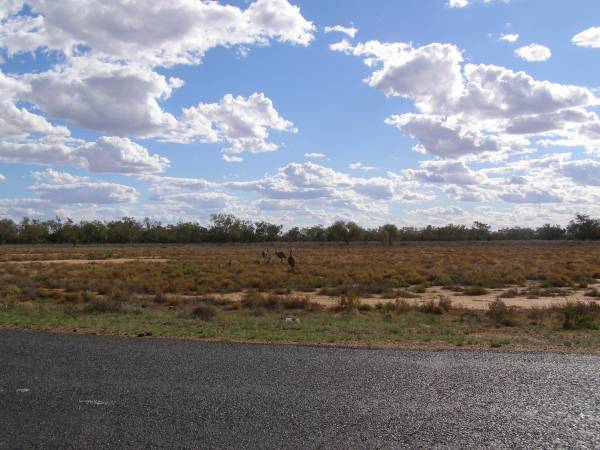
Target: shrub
x=475, y=290
x=364, y=307
x=402, y=306
x=510, y=293
x=88, y=296
x=500, y=313
x=254, y=300
x=160, y=298
x=210, y=300
x=430, y=307
x=348, y=303
x=593, y=293
x=204, y=312
x=580, y=315
x=402, y=293
x=103, y=306
x=290, y=302
x=445, y=280
x=445, y=303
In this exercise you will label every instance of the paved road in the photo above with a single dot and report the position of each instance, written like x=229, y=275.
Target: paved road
x=71, y=391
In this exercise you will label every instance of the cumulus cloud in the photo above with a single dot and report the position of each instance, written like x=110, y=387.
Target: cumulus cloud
x=584, y=172
x=18, y=122
x=243, y=123
x=110, y=97
x=9, y=7
x=534, y=53
x=439, y=171
x=115, y=154
x=107, y=154
x=469, y=109
x=348, y=31
x=63, y=188
x=2, y=177
x=510, y=37
x=153, y=32
x=124, y=100
x=588, y=38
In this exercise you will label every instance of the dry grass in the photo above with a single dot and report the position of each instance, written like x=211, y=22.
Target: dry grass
x=216, y=284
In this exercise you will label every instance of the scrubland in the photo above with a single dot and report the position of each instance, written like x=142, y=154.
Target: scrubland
x=513, y=295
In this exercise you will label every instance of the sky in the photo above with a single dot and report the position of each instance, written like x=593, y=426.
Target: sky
x=411, y=112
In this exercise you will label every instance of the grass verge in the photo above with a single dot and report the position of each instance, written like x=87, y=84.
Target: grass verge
x=378, y=327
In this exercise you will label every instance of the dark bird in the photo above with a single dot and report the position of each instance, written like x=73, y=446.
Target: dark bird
x=280, y=255
x=291, y=261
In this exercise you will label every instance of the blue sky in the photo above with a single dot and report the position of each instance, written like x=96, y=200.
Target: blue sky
x=411, y=112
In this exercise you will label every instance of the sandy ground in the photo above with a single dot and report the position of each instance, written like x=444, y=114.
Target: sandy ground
x=87, y=261
x=480, y=302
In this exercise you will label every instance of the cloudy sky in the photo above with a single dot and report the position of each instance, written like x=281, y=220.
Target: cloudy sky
x=301, y=111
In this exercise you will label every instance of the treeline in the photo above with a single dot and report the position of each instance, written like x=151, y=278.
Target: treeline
x=228, y=228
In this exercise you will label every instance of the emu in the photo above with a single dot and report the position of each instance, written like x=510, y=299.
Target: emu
x=291, y=261
x=280, y=255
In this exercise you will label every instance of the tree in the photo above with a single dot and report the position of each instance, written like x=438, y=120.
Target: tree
x=480, y=231
x=8, y=232
x=337, y=232
x=549, y=232
x=388, y=233
x=584, y=227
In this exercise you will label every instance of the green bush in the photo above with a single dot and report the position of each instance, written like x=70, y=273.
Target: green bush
x=204, y=312
x=103, y=306
x=500, y=313
x=475, y=290
x=580, y=315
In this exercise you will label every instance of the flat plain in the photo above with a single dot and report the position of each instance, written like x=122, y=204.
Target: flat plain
x=514, y=295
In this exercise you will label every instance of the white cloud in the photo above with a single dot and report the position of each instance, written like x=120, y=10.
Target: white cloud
x=231, y=158
x=429, y=75
x=458, y=3
x=153, y=32
x=315, y=155
x=243, y=123
x=9, y=7
x=348, y=31
x=119, y=99
x=107, y=154
x=471, y=109
x=361, y=166
x=465, y=3
x=588, y=38
x=18, y=122
x=114, y=154
x=124, y=100
x=534, y=53
x=511, y=37
x=448, y=138
x=439, y=171
x=2, y=177
x=64, y=188
x=584, y=172
x=519, y=195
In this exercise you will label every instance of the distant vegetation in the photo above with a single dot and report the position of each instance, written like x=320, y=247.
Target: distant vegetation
x=228, y=228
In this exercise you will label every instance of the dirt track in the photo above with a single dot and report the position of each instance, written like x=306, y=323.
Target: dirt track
x=480, y=302
x=86, y=261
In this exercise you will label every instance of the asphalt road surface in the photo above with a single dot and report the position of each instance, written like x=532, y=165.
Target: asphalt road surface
x=71, y=391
